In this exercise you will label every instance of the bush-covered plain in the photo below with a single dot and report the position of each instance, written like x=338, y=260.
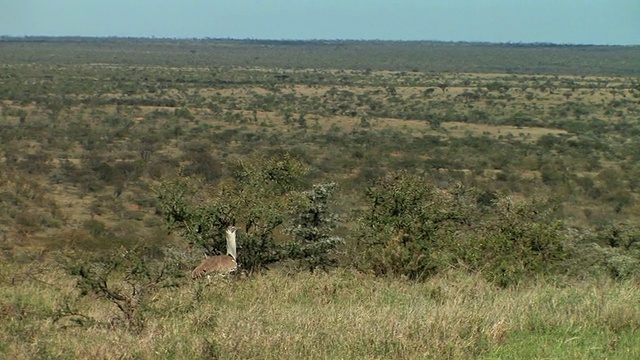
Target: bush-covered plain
x=420, y=205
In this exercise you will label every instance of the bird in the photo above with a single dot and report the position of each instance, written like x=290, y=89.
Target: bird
x=220, y=264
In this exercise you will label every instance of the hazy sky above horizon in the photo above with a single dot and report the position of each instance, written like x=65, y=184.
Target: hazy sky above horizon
x=557, y=21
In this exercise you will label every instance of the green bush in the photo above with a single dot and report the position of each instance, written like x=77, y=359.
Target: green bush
x=95, y=227
x=613, y=249
x=255, y=198
x=412, y=228
x=517, y=238
x=408, y=226
x=312, y=226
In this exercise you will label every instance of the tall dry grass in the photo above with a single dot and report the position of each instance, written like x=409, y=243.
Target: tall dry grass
x=342, y=314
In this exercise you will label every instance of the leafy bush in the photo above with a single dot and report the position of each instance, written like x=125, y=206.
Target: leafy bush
x=183, y=113
x=95, y=227
x=407, y=226
x=516, y=238
x=411, y=228
x=614, y=250
x=202, y=163
x=312, y=226
x=255, y=198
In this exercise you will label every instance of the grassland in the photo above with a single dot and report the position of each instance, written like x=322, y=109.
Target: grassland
x=342, y=314
x=89, y=128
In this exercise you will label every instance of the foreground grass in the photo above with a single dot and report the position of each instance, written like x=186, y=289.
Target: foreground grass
x=342, y=314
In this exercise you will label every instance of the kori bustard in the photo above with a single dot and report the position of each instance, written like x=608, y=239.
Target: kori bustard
x=220, y=264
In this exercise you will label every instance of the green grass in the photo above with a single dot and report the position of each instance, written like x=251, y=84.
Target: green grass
x=588, y=343
x=341, y=314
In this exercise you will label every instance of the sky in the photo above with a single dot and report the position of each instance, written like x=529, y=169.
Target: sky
x=611, y=22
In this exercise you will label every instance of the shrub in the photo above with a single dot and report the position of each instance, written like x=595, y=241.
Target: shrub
x=411, y=228
x=95, y=227
x=518, y=238
x=407, y=226
x=614, y=250
x=205, y=165
x=183, y=113
x=312, y=226
x=256, y=197
x=128, y=279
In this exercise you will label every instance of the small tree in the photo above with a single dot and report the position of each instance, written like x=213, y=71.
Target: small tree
x=412, y=228
x=128, y=279
x=254, y=198
x=312, y=227
x=409, y=226
x=516, y=239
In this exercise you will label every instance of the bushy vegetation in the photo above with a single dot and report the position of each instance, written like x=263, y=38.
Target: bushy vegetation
x=414, y=229
x=373, y=194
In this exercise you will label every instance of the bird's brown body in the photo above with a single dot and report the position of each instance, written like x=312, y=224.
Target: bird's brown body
x=220, y=264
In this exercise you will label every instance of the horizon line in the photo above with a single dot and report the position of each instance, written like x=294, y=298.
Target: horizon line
x=4, y=37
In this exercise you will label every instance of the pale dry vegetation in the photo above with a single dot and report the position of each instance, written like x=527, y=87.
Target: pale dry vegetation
x=340, y=314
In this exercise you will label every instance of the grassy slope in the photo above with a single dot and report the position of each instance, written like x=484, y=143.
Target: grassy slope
x=341, y=314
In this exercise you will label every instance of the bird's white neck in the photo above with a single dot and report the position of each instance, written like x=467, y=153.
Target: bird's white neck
x=231, y=242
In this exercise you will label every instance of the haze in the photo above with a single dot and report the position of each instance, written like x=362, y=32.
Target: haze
x=555, y=21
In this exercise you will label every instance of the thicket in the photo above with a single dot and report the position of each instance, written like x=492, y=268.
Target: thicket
x=408, y=226
x=265, y=198
x=413, y=228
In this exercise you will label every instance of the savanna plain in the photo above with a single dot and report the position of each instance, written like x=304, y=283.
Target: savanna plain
x=394, y=200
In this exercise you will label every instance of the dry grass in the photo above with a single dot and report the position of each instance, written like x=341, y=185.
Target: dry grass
x=343, y=314
x=458, y=129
